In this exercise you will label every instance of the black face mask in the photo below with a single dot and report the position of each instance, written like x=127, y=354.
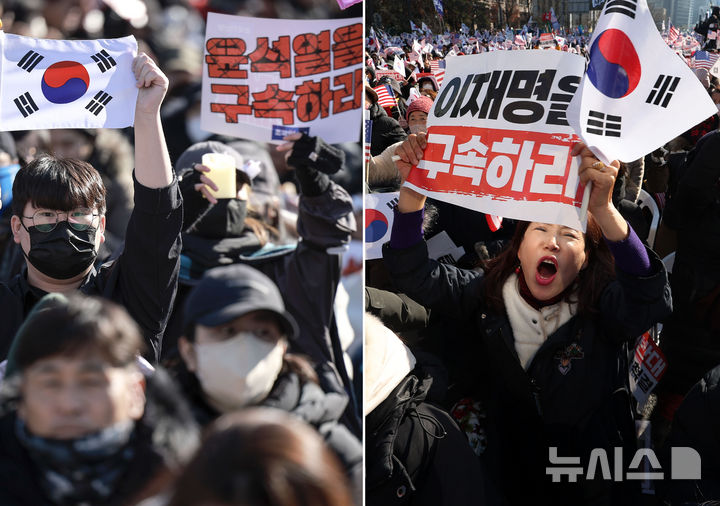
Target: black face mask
x=224, y=219
x=62, y=253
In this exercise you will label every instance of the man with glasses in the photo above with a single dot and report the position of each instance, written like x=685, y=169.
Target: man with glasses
x=58, y=220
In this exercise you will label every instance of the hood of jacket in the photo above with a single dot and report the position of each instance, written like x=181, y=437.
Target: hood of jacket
x=383, y=423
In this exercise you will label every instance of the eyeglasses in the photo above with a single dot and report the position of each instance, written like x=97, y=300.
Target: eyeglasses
x=80, y=219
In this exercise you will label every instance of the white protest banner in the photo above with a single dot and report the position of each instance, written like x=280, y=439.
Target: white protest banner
x=307, y=76
x=647, y=368
x=547, y=40
x=66, y=83
x=636, y=95
x=399, y=66
x=391, y=73
x=498, y=139
x=378, y=221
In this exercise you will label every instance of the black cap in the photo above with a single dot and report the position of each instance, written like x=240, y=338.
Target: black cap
x=228, y=292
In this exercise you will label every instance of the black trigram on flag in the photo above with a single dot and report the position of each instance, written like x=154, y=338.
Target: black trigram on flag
x=98, y=102
x=104, y=61
x=30, y=60
x=600, y=124
x=663, y=90
x=26, y=104
x=627, y=7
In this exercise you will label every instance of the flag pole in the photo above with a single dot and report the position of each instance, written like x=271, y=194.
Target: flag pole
x=585, y=201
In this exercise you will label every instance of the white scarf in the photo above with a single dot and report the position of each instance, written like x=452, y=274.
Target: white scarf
x=531, y=327
x=387, y=362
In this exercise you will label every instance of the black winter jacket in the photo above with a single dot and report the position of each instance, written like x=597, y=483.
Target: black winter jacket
x=325, y=223
x=574, y=394
x=143, y=279
x=415, y=453
x=386, y=131
x=691, y=335
x=695, y=425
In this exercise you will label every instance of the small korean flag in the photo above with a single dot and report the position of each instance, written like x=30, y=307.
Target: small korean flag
x=378, y=221
x=66, y=83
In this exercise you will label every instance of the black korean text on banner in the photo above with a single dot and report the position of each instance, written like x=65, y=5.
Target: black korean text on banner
x=293, y=78
x=519, y=97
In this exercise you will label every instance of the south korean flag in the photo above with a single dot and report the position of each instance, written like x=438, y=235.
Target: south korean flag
x=636, y=94
x=66, y=83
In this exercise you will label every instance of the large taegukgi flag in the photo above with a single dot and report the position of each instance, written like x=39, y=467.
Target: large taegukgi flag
x=66, y=83
x=636, y=94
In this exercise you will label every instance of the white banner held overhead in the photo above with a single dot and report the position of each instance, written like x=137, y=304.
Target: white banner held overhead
x=637, y=94
x=498, y=138
x=266, y=78
x=66, y=83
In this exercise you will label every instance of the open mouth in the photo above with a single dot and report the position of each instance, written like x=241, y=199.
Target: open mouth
x=546, y=270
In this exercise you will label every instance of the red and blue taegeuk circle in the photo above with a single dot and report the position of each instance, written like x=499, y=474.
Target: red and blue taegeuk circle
x=376, y=225
x=614, y=67
x=64, y=82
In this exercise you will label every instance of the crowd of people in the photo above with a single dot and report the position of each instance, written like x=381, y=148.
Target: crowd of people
x=159, y=345
x=516, y=354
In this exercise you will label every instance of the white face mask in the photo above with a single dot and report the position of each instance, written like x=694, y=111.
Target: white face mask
x=416, y=129
x=239, y=371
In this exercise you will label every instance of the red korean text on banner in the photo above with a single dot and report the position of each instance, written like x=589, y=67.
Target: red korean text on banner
x=275, y=58
x=225, y=55
x=312, y=53
x=307, y=77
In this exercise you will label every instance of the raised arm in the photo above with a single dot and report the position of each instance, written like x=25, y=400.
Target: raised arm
x=410, y=153
x=144, y=277
x=152, y=162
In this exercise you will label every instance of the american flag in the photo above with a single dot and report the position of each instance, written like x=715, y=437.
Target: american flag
x=705, y=60
x=437, y=67
x=673, y=34
x=386, y=98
